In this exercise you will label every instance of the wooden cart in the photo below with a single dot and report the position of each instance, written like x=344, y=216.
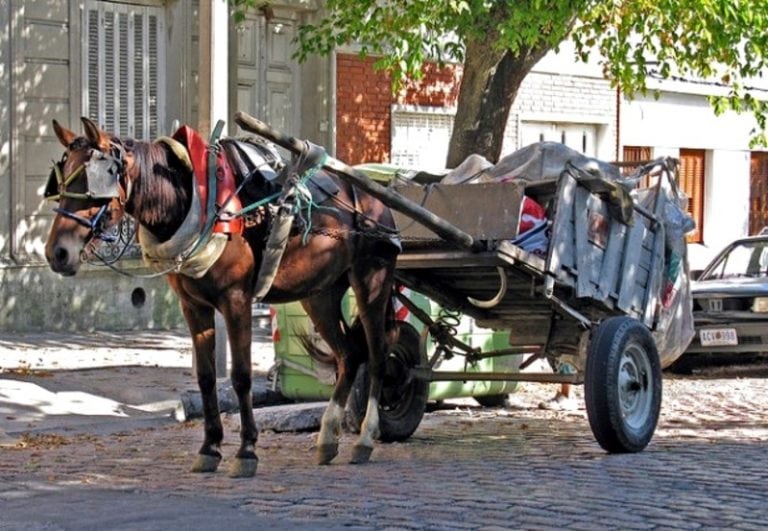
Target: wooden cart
x=592, y=300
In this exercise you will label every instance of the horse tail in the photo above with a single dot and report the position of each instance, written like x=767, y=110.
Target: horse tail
x=315, y=352
x=354, y=333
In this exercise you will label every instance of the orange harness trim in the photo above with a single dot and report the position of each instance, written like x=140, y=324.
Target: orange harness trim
x=226, y=198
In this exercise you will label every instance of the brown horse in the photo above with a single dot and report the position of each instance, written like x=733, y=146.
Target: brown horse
x=101, y=177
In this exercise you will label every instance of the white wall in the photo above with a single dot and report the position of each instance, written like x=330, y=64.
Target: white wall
x=726, y=202
x=684, y=120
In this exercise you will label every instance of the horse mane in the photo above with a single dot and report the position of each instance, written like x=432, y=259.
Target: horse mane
x=162, y=186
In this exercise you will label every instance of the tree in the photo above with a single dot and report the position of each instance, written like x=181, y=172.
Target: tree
x=498, y=42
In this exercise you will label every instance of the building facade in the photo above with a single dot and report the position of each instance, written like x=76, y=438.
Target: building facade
x=562, y=100
x=137, y=68
x=134, y=67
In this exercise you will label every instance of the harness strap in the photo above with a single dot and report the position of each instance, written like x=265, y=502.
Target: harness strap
x=211, y=215
x=213, y=152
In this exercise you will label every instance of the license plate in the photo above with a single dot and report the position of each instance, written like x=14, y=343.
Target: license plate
x=718, y=337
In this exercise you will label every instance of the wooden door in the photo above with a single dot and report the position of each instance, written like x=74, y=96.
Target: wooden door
x=758, y=196
x=267, y=76
x=692, y=183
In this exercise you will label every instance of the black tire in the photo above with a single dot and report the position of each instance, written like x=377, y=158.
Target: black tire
x=403, y=400
x=622, y=386
x=492, y=400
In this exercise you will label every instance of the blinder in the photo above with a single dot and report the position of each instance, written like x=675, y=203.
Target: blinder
x=102, y=172
x=54, y=179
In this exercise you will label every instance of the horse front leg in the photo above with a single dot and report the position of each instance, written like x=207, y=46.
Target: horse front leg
x=201, y=327
x=238, y=318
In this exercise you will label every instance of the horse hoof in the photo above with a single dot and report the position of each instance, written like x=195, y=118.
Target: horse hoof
x=326, y=453
x=361, y=454
x=243, y=467
x=206, y=463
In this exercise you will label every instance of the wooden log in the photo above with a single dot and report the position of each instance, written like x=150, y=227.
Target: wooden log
x=389, y=197
x=190, y=405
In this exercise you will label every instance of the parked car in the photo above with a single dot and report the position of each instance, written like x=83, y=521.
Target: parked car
x=730, y=307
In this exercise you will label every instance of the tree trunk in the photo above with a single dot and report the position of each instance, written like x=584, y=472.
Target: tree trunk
x=489, y=86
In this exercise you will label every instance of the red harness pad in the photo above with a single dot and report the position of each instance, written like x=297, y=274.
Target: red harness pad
x=225, y=181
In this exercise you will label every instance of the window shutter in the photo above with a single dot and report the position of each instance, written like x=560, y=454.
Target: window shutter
x=122, y=77
x=692, y=183
x=153, y=76
x=91, y=69
x=632, y=157
x=109, y=69
x=138, y=75
x=123, y=70
x=758, y=200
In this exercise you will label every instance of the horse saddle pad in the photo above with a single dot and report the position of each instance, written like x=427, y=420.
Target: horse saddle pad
x=249, y=154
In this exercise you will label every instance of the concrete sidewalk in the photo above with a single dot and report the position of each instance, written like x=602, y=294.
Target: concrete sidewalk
x=100, y=381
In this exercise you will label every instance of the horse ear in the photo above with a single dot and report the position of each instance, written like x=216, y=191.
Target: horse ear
x=64, y=135
x=94, y=134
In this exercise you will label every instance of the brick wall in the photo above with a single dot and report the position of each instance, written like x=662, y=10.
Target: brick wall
x=364, y=101
x=564, y=98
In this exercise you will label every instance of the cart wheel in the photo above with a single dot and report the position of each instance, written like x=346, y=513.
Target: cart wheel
x=403, y=399
x=622, y=387
x=492, y=400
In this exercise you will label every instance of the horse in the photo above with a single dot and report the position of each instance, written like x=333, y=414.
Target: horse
x=347, y=240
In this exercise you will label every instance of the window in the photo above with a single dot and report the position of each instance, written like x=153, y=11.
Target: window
x=420, y=136
x=123, y=86
x=581, y=137
x=632, y=157
x=692, y=183
x=748, y=259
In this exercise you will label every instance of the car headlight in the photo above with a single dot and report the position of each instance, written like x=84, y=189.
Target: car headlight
x=760, y=305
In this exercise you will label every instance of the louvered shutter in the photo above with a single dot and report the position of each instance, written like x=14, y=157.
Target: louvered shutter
x=138, y=73
x=692, y=183
x=758, y=196
x=632, y=157
x=153, y=52
x=92, y=106
x=123, y=83
x=124, y=115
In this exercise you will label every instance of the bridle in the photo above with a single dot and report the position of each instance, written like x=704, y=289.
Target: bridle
x=103, y=172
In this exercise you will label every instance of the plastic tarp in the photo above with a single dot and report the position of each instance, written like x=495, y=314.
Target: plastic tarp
x=674, y=329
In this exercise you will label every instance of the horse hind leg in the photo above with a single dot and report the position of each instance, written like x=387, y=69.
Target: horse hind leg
x=372, y=292
x=325, y=313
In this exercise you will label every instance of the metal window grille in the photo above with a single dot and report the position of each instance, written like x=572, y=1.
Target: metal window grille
x=420, y=139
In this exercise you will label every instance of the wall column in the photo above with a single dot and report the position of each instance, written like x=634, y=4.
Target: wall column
x=214, y=105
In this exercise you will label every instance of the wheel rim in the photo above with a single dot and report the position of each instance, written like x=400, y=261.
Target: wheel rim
x=635, y=386
x=397, y=390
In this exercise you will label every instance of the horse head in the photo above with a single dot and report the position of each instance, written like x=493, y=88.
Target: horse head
x=89, y=184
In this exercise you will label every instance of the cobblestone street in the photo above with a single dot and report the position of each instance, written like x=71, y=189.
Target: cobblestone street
x=465, y=468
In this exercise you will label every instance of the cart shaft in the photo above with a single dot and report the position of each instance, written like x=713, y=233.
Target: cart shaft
x=387, y=196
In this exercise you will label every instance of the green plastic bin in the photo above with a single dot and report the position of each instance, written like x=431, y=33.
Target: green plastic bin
x=299, y=377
